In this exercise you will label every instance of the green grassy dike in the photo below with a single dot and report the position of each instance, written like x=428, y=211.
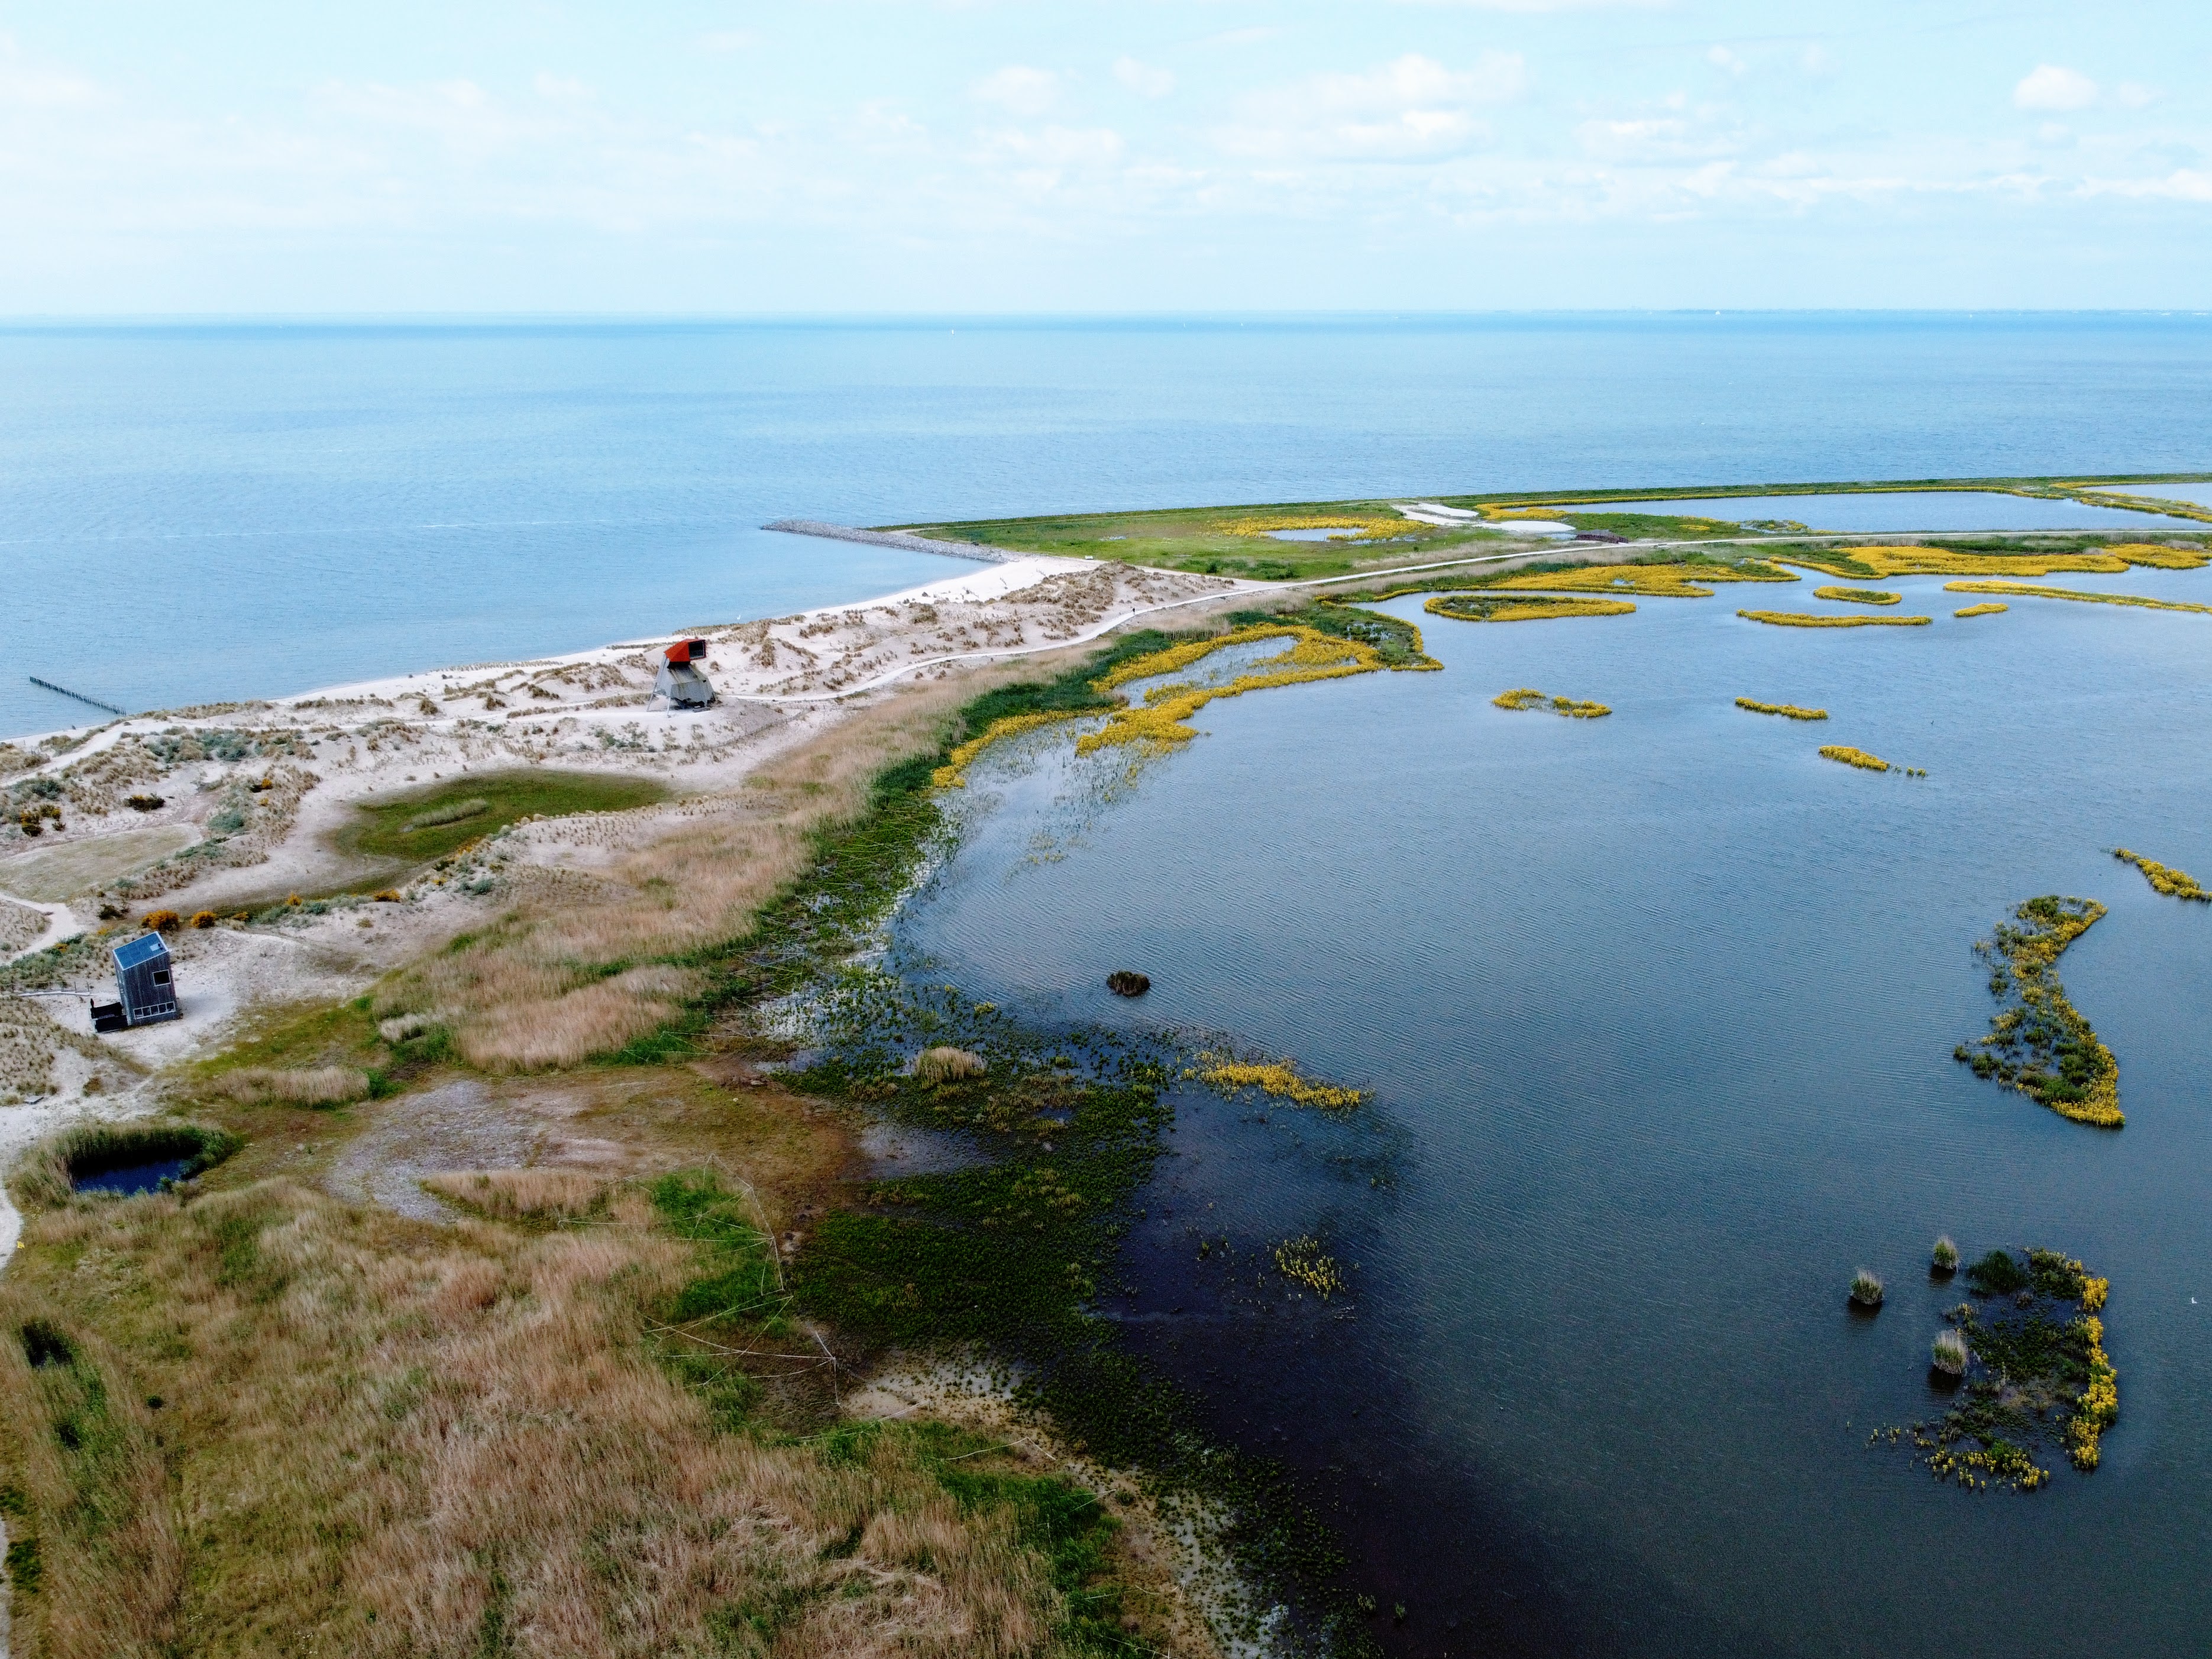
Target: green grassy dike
x=1222, y=540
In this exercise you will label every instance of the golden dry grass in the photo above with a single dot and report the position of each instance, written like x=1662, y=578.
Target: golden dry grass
x=523, y=1194
x=945, y=1064
x=321, y=1085
x=381, y=1439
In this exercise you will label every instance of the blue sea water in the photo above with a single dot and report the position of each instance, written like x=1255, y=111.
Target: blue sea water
x=189, y=514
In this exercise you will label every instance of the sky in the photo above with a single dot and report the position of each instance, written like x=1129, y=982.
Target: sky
x=1101, y=155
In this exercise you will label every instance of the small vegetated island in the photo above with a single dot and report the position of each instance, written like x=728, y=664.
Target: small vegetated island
x=1787, y=710
x=2038, y=1043
x=2029, y=1345
x=1527, y=696
x=2164, y=878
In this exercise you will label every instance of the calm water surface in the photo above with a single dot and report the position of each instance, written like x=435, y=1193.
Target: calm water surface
x=192, y=513
x=1895, y=512
x=1658, y=1011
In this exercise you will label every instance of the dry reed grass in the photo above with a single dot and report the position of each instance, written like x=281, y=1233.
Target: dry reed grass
x=946, y=1065
x=385, y=1439
x=322, y=1086
x=534, y=990
x=523, y=1194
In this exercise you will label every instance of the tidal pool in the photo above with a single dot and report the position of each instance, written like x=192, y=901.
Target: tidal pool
x=1658, y=1013
x=1895, y=512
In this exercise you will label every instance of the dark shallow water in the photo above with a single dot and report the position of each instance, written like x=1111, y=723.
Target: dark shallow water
x=1658, y=1011
x=130, y=1179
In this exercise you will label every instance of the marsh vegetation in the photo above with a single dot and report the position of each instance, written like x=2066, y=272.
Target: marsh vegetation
x=2164, y=878
x=2038, y=1043
x=2029, y=1343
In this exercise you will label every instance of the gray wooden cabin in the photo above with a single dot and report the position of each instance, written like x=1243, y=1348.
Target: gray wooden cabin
x=145, y=983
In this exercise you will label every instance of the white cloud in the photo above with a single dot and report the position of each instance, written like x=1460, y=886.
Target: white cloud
x=1721, y=57
x=2047, y=86
x=1413, y=108
x=1540, y=5
x=1143, y=79
x=28, y=87
x=1019, y=90
x=1651, y=139
x=562, y=89
x=2135, y=95
x=728, y=40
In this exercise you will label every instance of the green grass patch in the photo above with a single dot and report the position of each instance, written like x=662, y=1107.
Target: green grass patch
x=429, y=823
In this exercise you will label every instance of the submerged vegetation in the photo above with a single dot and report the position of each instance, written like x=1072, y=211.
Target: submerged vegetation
x=1850, y=756
x=1806, y=619
x=2031, y=1346
x=1528, y=697
x=2038, y=1043
x=1858, y=595
x=1277, y=1077
x=1787, y=710
x=2174, y=883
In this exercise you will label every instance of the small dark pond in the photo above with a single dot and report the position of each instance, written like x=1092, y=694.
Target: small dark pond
x=129, y=1180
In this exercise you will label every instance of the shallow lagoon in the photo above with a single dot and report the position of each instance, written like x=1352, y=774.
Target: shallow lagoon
x=1658, y=1010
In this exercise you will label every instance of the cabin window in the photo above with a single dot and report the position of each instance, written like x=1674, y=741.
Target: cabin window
x=161, y=976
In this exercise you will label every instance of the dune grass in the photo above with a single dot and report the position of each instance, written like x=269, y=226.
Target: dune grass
x=429, y=823
x=404, y=1440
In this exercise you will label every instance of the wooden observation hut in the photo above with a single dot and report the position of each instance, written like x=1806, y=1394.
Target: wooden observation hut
x=145, y=983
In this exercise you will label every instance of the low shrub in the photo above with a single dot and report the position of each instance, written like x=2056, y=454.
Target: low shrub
x=161, y=921
x=204, y=919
